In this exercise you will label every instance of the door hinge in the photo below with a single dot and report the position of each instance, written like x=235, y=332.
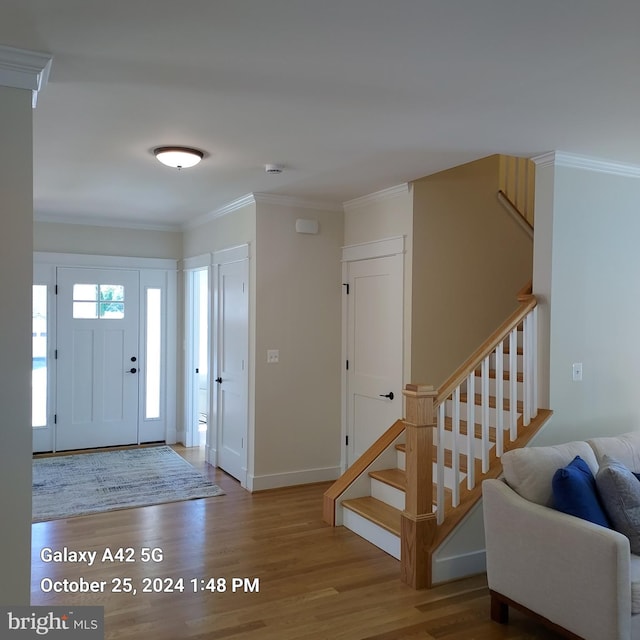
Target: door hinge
x=55, y=354
x=347, y=441
x=346, y=284
x=347, y=365
x=55, y=418
x=56, y=289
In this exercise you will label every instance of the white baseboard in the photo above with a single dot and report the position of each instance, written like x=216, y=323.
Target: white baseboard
x=180, y=436
x=290, y=478
x=211, y=455
x=459, y=566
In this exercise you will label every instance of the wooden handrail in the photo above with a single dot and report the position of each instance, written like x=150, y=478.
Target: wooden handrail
x=526, y=292
x=356, y=469
x=471, y=364
x=515, y=213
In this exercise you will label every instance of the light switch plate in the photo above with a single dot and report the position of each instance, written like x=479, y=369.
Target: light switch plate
x=273, y=356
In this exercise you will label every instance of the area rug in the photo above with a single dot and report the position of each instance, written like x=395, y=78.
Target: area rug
x=85, y=483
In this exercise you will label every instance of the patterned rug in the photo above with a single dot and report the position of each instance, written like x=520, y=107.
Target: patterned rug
x=85, y=483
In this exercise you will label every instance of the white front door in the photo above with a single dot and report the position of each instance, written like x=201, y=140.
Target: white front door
x=374, y=350
x=232, y=327
x=97, y=358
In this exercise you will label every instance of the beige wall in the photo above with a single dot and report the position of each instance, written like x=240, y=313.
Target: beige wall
x=592, y=282
x=111, y=241
x=298, y=302
x=469, y=261
x=16, y=242
x=386, y=214
x=230, y=230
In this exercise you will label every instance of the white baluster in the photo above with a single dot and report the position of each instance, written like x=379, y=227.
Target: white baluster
x=526, y=357
x=440, y=465
x=513, y=385
x=455, y=457
x=534, y=360
x=471, y=419
x=485, y=414
x=499, y=398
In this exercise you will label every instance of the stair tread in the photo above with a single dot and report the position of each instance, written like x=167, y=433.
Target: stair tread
x=448, y=457
x=397, y=478
x=394, y=477
x=505, y=375
x=376, y=511
x=448, y=425
x=492, y=402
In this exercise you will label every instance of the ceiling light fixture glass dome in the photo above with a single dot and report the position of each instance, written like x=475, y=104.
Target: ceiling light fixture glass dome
x=178, y=157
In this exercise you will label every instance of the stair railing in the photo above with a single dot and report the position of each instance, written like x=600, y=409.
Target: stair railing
x=493, y=364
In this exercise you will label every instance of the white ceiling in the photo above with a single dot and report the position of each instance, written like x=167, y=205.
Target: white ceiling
x=351, y=96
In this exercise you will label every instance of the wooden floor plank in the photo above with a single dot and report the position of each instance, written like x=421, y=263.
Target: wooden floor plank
x=316, y=582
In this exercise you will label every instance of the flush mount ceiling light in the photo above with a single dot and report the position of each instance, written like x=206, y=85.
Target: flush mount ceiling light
x=178, y=157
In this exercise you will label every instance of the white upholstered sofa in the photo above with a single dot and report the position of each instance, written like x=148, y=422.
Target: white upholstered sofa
x=578, y=577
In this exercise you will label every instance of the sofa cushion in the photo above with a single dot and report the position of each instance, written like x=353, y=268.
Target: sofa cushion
x=575, y=492
x=529, y=470
x=624, y=448
x=620, y=495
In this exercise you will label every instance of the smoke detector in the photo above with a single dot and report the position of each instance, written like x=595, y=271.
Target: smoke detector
x=273, y=168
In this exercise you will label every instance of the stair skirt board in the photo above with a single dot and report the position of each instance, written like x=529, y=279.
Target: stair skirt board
x=462, y=553
x=458, y=566
x=372, y=532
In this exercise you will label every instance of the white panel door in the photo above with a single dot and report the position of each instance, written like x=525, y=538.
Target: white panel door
x=97, y=358
x=374, y=350
x=232, y=363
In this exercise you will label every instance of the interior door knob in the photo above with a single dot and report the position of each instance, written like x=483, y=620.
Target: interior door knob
x=387, y=395
x=219, y=380
x=132, y=370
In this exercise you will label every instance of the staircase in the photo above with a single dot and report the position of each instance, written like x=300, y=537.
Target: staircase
x=417, y=483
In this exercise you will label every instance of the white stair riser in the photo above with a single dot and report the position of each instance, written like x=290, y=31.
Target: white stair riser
x=506, y=362
x=402, y=461
x=372, y=532
x=387, y=494
x=477, y=409
x=462, y=444
x=448, y=473
x=505, y=387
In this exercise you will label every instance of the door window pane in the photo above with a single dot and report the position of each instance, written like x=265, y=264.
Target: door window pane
x=153, y=346
x=104, y=301
x=39, y=357
x=85, y=292
x=85, y=310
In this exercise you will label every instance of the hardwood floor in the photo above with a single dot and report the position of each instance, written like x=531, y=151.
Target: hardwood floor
x=315, y=581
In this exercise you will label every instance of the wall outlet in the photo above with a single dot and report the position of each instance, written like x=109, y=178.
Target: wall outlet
x=577, y=371
x=273, y=356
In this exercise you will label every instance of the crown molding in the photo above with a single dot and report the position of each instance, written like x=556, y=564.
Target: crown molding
x=300, y=203
x=105, y=222
x=377, y=196
x=230, y=207
x=576, y=161
x=23, y=69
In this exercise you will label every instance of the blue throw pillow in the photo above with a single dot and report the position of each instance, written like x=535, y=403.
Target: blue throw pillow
x=575, y=493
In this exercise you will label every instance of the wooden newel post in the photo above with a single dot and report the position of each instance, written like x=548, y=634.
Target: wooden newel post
x=418, y=525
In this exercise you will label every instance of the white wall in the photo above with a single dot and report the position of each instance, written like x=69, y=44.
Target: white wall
x=386, y=214
x=298, y=298
x=594, y=302
x=111, y=241
x=16, y=242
